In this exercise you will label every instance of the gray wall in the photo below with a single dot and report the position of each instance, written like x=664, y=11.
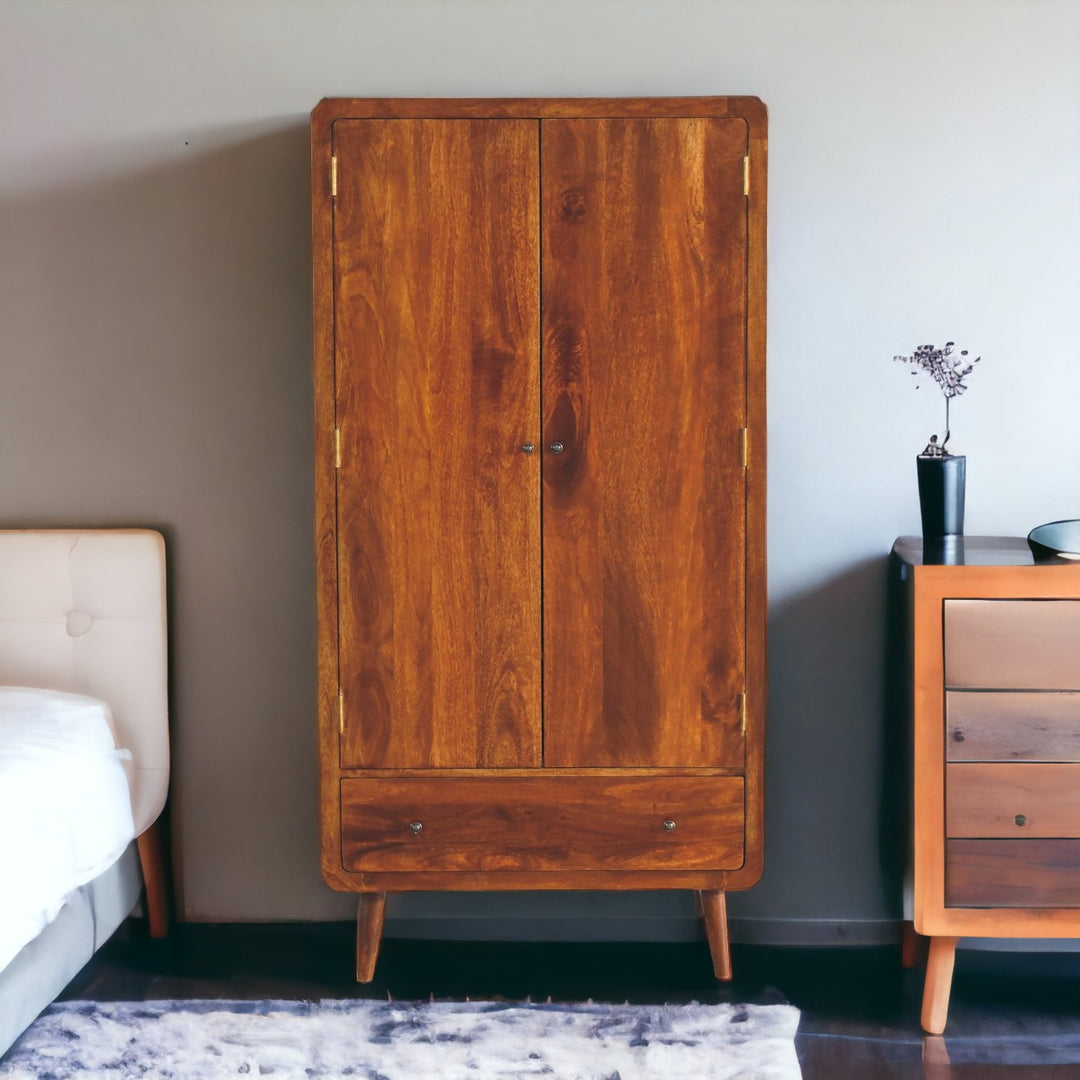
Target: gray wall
x=155, y=359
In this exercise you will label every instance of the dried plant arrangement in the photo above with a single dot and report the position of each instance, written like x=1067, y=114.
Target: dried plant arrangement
x=948, y=368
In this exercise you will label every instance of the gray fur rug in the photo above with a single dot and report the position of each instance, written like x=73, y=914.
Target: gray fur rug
x=371, y=1040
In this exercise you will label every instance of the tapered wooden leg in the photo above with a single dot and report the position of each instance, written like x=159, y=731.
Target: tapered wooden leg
x=939, y=972
x=912, y=946
x=714, y=909
x=152, y=861
x=370, y=913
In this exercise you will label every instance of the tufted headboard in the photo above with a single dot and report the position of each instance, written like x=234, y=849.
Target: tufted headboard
x=84, y=611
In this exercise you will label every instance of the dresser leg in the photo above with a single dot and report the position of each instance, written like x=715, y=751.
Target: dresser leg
x=370, y=913
x=152, y=861
x=713, y=905
x=939, y=972
x=912, y=946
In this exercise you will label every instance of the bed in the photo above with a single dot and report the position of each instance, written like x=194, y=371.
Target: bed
x=84, y=752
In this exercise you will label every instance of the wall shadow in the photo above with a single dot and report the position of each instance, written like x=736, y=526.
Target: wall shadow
x=835, y=773
x=156, y=324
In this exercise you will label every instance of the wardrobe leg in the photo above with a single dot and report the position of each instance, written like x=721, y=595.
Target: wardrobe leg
x=152, y=860
x=939, y=972
x=714, y=909
x=370, y=913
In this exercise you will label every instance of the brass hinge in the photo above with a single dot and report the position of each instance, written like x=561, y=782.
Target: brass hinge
x=746, y=175
x=745, y=436
x=333, y=177
x=337, y=448
x=742, y=713
x=341, y=711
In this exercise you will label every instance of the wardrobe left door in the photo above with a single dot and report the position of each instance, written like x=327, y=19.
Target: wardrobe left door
x=437, y=396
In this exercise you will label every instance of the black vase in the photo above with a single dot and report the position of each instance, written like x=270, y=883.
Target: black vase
x=941, y=494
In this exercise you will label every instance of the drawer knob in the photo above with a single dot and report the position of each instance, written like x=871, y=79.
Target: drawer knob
x=1020, y=819
x=416, y=827
x=669, y=825
x=958, y=735
x=527, y=448
x=556, y=448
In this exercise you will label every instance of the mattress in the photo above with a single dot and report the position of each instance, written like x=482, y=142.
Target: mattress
x=65, y=805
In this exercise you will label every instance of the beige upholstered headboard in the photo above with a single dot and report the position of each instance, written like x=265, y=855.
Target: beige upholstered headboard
x=84, y=611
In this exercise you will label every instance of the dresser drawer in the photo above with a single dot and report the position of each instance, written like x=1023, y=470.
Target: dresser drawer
x=1013, y=873
x=986, y=725
x=1013, y=644
x=544, y=823
x=1012, y=801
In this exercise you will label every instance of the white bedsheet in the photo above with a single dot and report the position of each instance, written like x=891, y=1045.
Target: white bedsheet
x=65, y=805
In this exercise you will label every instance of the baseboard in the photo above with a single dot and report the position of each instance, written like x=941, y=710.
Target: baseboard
x=792, y=933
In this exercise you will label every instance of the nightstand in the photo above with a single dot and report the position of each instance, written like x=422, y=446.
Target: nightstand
x=994, y=646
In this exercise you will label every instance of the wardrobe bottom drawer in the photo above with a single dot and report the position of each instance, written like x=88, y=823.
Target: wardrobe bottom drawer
x=543, y=823
x=1012, y=873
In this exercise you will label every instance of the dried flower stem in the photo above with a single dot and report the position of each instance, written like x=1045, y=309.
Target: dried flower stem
x=948, y=370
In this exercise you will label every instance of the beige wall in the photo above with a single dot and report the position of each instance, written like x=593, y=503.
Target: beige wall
x=154, y=353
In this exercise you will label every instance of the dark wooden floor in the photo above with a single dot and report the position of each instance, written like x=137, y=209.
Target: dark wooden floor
x=1013, y=1016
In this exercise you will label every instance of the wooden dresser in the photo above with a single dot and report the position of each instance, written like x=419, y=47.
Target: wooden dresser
x=995, y=645
x=540, y=496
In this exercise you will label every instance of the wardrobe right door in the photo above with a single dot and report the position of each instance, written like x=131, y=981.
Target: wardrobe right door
x=643, y=331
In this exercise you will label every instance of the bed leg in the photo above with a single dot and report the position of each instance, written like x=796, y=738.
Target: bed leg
x=153, y=871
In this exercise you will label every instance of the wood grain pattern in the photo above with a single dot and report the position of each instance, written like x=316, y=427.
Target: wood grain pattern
x=756, y=590
x=933, y=587
x=742, y=756
x=1012, y=644
x=1014, y=874
x=747, y=108
x=1017, y=726
x=546, y=824
x=437, y=389
x=993, y=799
x=644, y=360
x=322, y=253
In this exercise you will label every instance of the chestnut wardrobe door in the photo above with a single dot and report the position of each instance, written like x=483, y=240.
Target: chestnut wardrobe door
x=436, y=299
x=644, y=308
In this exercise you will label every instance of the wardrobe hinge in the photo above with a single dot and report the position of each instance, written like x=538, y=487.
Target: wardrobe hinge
x=742, y=713
x=337, y=448
x=341, y=711
x=746, y=175
x=745, y=436
x=333, y=177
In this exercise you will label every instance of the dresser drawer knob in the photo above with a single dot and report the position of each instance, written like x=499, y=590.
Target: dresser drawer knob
x=1020, y=819
x=669, y=825
x=416, y=827
x=958, y=735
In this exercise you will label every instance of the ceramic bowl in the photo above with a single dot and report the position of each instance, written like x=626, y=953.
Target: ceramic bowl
x=1056, y=538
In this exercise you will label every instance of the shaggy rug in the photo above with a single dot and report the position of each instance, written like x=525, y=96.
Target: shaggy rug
x=366, y=1040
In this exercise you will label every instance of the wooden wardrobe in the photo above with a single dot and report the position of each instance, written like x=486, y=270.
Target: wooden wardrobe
x=540, y=496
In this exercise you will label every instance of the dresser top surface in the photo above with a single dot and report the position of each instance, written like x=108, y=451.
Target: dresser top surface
x=968, y=551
